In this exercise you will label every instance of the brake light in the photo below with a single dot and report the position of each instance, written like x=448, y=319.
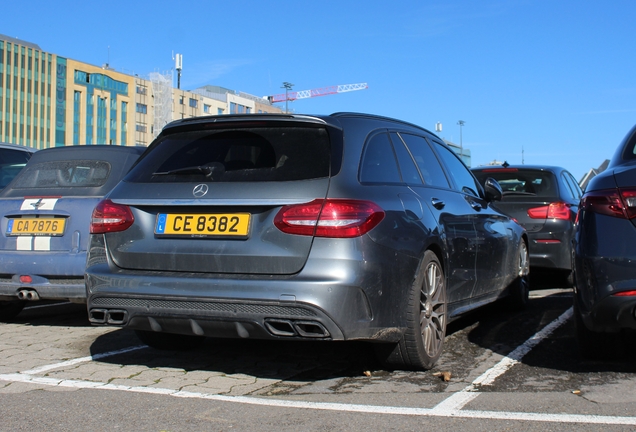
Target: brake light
x=335, y=218
x=630, y=293
x=556, y=210
x=620, y=203
x=110, y=217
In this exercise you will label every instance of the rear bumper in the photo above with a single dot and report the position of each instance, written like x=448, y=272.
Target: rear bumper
x=215, y=318
x=56, y=275
x=612, y=314
x=70, y=288
x=604, y=257
x=336, y=296
x=551, y=250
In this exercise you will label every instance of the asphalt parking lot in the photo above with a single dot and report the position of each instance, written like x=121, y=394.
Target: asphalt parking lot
x=503, y=371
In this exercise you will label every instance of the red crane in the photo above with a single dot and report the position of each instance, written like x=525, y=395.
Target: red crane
x=324, y=91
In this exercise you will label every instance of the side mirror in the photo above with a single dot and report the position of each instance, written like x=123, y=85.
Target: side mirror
x=492, y=190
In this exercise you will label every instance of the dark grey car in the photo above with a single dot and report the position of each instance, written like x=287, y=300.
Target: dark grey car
x=335, y=227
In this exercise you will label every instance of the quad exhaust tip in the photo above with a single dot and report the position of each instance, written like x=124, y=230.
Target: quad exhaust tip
x=291, y=328
x=108, y=316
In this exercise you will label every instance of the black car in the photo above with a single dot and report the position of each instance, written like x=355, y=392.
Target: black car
x=544, y=200
x=13, y=158
x=330, y=227
x=605, y=255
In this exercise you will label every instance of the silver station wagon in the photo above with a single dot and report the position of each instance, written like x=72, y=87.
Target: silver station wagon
x=332, y=227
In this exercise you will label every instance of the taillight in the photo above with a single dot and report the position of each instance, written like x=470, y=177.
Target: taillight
x=556, y=210
x=620, y=203
x=630, y=293
x=337, y=218
x=110, y=217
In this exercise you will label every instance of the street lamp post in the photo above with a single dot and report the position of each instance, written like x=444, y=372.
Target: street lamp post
x=287, y=86
x=461, y=144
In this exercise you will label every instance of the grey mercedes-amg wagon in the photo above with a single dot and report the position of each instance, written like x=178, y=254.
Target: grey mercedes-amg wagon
x=325, y=227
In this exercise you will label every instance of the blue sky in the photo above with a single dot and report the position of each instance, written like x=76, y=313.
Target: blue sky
x=543, y=82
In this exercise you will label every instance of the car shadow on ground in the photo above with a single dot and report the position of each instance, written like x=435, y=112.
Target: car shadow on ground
x=494, y=327
x=502, y=331
x=49, y=313
x=288, y=360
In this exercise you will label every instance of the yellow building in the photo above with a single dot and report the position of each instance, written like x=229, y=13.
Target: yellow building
x=47, y=100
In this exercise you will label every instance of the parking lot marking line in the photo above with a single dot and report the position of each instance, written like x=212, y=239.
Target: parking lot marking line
x=72, y=362
x=458, y=400
x=326, y=406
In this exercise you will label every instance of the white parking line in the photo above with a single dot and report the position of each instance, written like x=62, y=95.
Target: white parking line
x=458, y=400
x=369, y=409
x=72, y=362
x=450, y=407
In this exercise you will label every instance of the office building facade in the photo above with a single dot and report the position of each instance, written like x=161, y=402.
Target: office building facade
x=47, y=100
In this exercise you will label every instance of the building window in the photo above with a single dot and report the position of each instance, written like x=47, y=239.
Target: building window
x=206, y=108
x=192, y=103
x=141, y=108
x=142, y=90
x=141, y=128
x=219, y=111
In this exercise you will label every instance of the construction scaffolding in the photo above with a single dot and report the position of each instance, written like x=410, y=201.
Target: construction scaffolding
x=162, y=91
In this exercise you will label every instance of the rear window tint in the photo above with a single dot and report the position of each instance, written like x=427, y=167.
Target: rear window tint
x=522, y=182
x=237, y=155
x=63, y=174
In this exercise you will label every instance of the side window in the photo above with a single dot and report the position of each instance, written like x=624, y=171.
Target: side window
x=568, y=186
x=462, y=177
x=378, y=162
x=430, y=169
x=410, y=174
x=575, y=185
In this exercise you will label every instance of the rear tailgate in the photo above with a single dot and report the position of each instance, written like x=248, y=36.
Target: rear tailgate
x=43, y=227
x=262, y=250
x=517, y=208
x=205, y=201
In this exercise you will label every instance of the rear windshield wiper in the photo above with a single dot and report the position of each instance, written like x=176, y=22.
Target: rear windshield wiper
x=207, y=170
x=519, y=193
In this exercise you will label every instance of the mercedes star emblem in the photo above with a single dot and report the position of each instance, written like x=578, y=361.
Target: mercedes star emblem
x=200, y=190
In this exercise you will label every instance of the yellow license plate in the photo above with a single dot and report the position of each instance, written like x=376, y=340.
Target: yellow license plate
x=33, y=226
x=203, y=225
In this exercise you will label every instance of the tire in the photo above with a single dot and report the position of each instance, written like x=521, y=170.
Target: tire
x=519, y=289
x=10, y=309
x=426, y=318
x=169, y=341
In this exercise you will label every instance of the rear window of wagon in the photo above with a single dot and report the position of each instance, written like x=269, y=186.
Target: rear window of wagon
x=236, y=155
x=518, y=181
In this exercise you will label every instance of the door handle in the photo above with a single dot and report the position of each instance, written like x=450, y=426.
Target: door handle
x=475, y=205
x=438, y=203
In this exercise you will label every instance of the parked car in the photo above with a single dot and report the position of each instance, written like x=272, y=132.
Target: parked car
x=45, y=216
x=604, y=255
x=332, y=227
x=13, y=158
x=544, y=200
